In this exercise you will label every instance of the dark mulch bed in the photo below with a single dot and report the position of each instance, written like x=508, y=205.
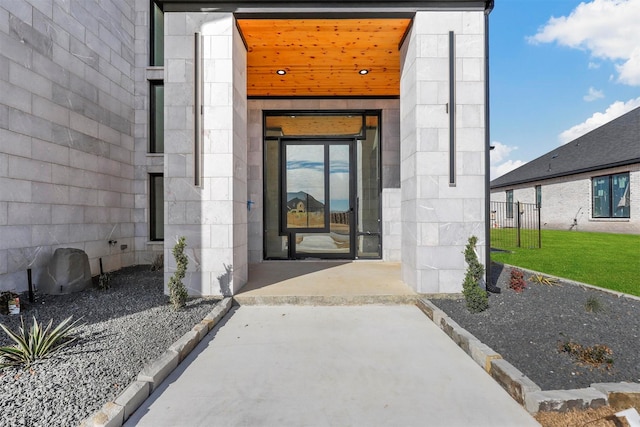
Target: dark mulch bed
x=526, y=329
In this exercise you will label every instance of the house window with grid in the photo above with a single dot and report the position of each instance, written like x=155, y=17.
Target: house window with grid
x=611, y=196
x=156, y=207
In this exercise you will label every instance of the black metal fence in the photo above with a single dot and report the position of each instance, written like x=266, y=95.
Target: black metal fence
x=515, y=225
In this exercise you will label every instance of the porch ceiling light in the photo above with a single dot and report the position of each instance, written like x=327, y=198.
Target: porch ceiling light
x=281, y=72
x=363, y=72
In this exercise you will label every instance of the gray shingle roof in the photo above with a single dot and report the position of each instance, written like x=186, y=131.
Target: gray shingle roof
x=615, y=143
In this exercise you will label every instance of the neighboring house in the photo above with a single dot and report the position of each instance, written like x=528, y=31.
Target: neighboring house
x=303, y=202
x=589, y=184
x=296, y=205
x=126, y=124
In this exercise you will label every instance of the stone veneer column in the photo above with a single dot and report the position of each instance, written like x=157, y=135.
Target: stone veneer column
x=437, y=219
x=212, y=217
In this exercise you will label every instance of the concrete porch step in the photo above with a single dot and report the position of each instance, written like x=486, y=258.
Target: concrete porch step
x=325, y=300
x=325, y=283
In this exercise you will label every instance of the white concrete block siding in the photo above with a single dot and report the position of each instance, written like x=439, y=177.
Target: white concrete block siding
x=66, y=135
x=74, y=142
x=438, y=218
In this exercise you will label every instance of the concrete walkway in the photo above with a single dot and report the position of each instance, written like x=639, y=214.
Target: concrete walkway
x=329, y=366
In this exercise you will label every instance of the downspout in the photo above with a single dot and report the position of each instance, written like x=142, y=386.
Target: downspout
x=487, y=157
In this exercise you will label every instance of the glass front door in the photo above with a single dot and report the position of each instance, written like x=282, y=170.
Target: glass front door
x=317, y=198
x=322, y=185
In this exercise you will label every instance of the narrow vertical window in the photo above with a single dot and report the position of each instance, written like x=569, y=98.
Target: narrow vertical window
x=157, y=35
x=538, y=196
x=156, y=207
x=156, y=117
x=509, y=203
x=600, y=194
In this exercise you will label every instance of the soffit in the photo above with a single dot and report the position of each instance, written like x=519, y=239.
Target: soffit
x=323, y=57
x=305, y=125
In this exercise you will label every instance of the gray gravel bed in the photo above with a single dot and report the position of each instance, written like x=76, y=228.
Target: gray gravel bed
x=126, y=327
x=526, y=328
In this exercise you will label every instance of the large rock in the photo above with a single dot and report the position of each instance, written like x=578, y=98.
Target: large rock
x=67, y=272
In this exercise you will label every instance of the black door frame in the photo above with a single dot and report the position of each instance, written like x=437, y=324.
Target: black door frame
x=326, y=141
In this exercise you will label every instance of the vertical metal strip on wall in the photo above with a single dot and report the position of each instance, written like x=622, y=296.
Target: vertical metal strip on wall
x=197, y=111
x=452, y=109
x=487, y=161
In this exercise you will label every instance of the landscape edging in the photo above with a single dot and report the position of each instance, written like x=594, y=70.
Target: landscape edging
x=520, y=387
x=573, y=282
x=114, y=414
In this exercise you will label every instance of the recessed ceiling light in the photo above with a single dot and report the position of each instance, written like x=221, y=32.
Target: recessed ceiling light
x=281, y=72
x=363, y=72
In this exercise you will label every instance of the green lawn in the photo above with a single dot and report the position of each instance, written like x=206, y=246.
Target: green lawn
x=607, y=260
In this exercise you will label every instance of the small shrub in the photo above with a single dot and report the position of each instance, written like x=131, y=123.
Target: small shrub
x=543, y=280
x=595, y=356
x=593, y=305
x=475, y=297
x=104, y=281
x=177, y=292
x=157, y=263
x=36, y=343
x=517, y=282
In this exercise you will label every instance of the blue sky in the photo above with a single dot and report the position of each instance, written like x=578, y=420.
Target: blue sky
x=558, y=69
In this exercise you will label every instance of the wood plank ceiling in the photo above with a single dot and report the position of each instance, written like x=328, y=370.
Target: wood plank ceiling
x=323, y=57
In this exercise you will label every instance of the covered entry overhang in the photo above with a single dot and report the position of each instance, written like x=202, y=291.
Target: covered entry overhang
x=392, y=57
x=310, y=48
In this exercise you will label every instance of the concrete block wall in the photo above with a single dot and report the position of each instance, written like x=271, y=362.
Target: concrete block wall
x=438, y=219
x=390, y=164
x=211, y=216
x=391, y=227
x=240, y=162
x=66, y=139
x=567, y=198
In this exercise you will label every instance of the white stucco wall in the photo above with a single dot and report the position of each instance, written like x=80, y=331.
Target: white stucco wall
x=569, y=198
x=438, y=219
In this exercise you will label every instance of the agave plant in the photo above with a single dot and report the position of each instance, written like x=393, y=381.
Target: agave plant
x=37, y=342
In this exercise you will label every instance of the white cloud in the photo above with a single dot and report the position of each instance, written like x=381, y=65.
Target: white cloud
x=503, y=168
x=614, y=110
x=630, y=70
x=499, y=165
x=593, y=65
x=593, y=94
x=608, y=29
x=500, y=151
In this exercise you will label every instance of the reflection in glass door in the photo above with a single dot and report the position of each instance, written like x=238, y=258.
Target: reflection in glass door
x=322, y=185
x=317, y=208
